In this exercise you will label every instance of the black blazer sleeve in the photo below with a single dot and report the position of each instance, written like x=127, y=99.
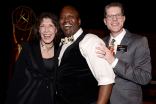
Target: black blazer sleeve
x=19, y=72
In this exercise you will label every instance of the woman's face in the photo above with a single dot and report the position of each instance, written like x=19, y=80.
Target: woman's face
x=47, y=30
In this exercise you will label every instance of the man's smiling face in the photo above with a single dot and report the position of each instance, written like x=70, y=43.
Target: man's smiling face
x=115, y=25
x=69, y=21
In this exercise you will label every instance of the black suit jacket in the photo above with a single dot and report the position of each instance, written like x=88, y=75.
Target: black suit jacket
x=132, y=70
x=31, y=83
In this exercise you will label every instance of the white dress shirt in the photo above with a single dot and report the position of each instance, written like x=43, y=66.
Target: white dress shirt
x=99, y=67
x=117, y=42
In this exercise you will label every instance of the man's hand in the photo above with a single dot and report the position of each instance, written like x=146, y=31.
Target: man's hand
x=105, y=53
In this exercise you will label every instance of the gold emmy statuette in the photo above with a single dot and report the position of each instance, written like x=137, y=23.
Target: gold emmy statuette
x=22, y=20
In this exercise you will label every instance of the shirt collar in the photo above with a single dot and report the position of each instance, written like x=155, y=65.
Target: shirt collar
x=77, y=34
x=119, y=38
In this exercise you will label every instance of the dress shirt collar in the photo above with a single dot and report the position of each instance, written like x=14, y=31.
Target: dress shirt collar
x=119, y=38
x=77, y=34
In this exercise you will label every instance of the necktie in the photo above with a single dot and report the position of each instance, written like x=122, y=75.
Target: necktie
x=66, y=40
x=111, y=47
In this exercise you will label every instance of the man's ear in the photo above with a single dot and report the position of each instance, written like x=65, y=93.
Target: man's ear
x=124, y=18
x=105, y=22
x=79, y=21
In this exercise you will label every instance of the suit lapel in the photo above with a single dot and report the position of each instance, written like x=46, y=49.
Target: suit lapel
x=75, y=42
x=56, y=55
x=71, y=46
x=107, y=41
x=125, y=41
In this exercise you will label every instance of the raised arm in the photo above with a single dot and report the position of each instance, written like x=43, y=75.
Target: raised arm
x=100, y=68
x=139, y=70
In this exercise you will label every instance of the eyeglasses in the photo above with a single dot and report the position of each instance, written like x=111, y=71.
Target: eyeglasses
x=118, y=16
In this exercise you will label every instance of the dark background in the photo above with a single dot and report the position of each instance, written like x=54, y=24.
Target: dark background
x=140, y=18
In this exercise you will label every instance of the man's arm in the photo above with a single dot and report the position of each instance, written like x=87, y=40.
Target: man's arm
x=140, y=71
x=99, y=67
x=104, y=93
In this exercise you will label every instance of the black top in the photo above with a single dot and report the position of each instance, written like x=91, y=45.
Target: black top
x=32, y=81
x=49, y=67
x=49, y=64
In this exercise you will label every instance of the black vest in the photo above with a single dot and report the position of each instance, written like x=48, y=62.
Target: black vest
x=75, y=81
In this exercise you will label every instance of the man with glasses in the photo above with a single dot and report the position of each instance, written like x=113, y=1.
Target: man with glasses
x=129, y=56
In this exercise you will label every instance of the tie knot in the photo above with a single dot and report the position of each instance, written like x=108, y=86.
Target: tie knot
x=113, y=40
x=67, y=39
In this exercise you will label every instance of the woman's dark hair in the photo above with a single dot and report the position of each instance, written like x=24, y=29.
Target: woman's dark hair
x=55, y=21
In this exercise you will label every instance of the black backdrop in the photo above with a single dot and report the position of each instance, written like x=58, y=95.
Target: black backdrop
x=140, y=18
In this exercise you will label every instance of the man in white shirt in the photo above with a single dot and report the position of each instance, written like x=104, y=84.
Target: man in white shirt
x=131, y=62
x=79, y=70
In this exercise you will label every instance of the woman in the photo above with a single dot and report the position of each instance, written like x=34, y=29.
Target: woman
x=32, y=81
